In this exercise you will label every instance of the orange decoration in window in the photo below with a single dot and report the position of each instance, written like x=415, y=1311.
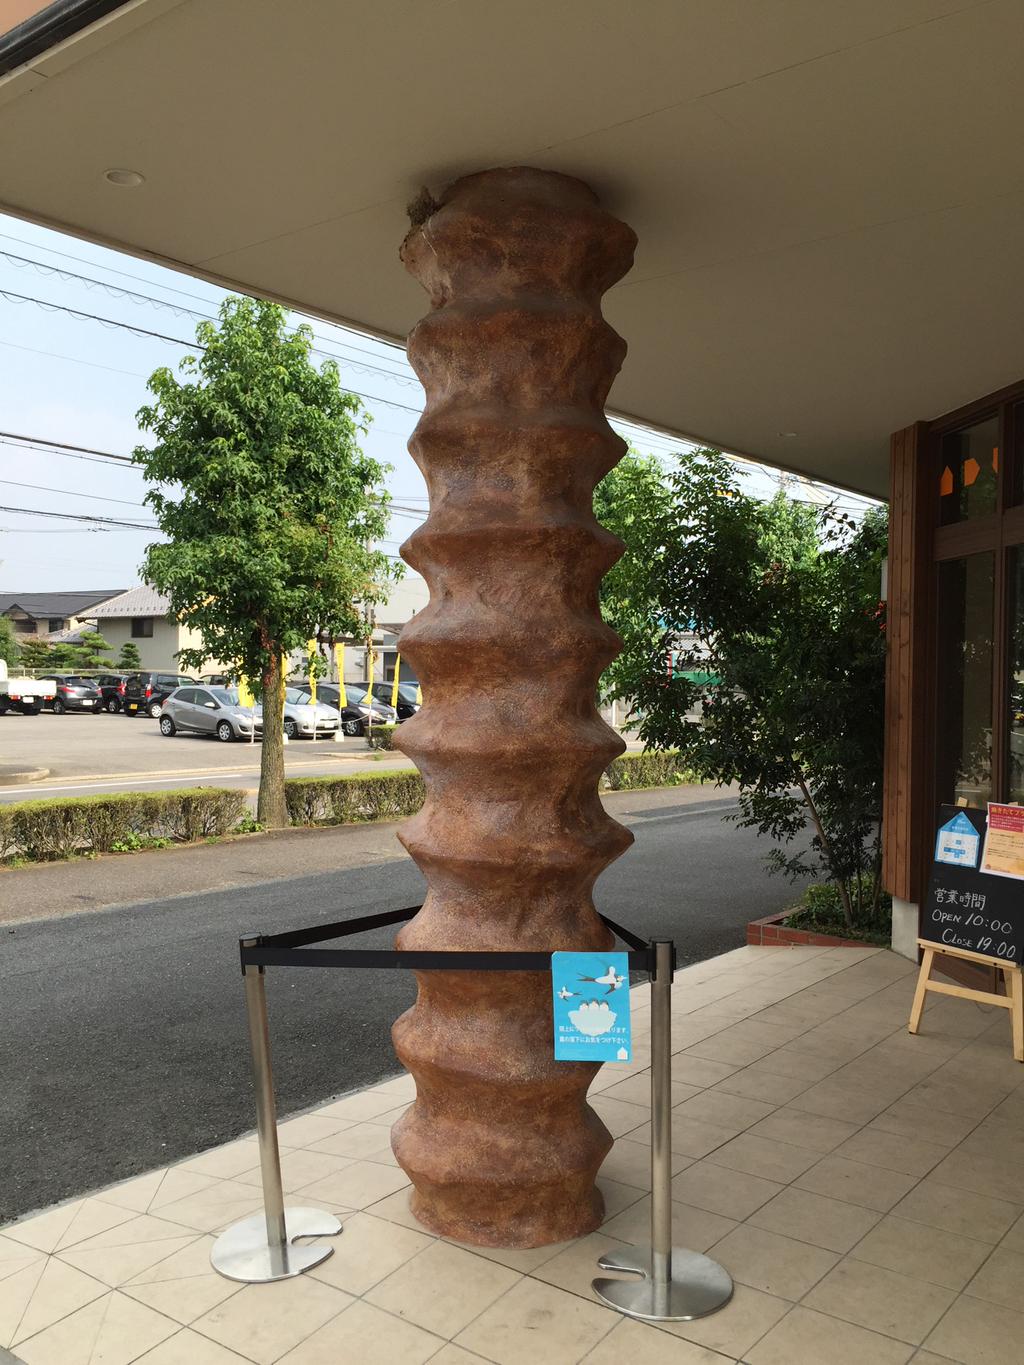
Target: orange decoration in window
x=946, y=483
x=995, y=458
x=971, y=471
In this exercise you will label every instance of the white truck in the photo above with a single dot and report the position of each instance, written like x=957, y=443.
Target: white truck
x=23, y=694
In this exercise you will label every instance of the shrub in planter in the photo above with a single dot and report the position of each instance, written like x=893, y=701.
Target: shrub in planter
x=387, y=795
x=652, y=768
x=62, y=827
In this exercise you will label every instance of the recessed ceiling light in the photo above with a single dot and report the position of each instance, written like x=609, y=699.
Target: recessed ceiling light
x=786, y=434
x=125, y=178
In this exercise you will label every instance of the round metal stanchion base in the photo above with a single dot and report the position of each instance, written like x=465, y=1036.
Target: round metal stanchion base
x=241, y=1252
x=698, y=1286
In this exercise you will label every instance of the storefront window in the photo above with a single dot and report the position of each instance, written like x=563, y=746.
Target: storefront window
x=964, y=741
x=969, y=472
x=1015, y=681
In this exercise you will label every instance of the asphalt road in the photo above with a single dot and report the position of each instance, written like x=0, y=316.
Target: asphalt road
x=122, y=1032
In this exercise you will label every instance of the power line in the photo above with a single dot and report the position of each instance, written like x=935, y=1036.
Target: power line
x=70, y=493
x=175, y=341
x=81, y=516
x=75, y=360
x=64, y=445
x=133, y=296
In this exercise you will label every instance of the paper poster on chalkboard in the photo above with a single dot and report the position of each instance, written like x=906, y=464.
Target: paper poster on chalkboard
x=967, y=907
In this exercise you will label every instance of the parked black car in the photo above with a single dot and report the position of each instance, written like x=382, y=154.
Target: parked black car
x=352, y=705
x=111, y=687
x=407, y=691
x=72, y=692
x=148, y=691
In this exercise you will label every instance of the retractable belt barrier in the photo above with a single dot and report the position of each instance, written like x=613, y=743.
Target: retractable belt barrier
x=668, y=1283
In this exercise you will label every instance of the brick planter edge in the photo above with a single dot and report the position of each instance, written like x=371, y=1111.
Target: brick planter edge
x=771, y=932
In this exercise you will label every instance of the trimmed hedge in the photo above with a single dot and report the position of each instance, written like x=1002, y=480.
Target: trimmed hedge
x=381, y=736
x=357, y=797
x=62, y=827
x=652, y=768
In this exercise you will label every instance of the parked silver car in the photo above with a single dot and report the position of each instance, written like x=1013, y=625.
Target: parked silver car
x=210, y=711
x=304, y=720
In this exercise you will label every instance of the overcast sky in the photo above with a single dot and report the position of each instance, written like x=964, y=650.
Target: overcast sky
x=72, y=379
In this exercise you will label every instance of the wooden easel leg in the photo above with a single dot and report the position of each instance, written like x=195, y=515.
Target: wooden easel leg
x=1015, y=985
x=917, y=1008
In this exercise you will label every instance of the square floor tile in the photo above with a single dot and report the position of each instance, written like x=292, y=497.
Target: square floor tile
x=359, y=1141
x=576, y=1267
x=368, y=1335
x=828, y=1223
x=618, y=1116
x=729, y=1111
x=125, y=1251
x=690, y=1137
x=699, y=1071
x=215, y=1207
x=804, y=1066
x=714, y=1187
x=1001, y=1279
x=368, y=1250
x=223, y=1162
x=636, y=1343
x=720, y=1047
x=629, y=1163
x=756, y=1084
x=837, y=1099
x=926, y=1253
x=807, y=1338
x=298, y=1169
x=800, y=1129
x=455, y=1355
x=354, y=1186
x=882, y=1300
x=692, y=1227
x=970, y=1215
x=747, y=1316
x=309, y=1128
x=359, y=1106
x=443, y=1288
x=535, y=1321
x=764, y=1157
x=894, y=1151
x=871, y=1186
x=44, y=1230
x=263, y=1321
x=637, y=1090
x=773, y=1263
x=914, y=1121
x=979, y=1333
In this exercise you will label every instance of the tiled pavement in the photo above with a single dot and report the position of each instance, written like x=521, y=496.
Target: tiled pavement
x=865, y=1188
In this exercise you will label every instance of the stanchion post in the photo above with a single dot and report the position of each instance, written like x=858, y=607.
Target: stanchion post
x=266, y=1106
x=262, y=1248
x=669, y=1284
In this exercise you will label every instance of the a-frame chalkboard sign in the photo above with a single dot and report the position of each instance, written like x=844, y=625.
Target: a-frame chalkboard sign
x=973, y=915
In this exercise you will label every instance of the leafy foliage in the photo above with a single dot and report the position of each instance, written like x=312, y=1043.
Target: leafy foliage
x=267, y=502
x=10, y=650
x=773, y=608
x=129, y=659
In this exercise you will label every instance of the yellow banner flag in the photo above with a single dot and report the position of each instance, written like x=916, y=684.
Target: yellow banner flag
x=394, y=685
x=419, y=695
x=311, y=650
x=339, y=663
x=367, y=700
x=245, y=693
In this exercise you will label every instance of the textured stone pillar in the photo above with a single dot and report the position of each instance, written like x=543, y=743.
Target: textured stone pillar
x=516, y=360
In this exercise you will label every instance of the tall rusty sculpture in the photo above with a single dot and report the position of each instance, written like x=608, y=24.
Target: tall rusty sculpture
x=516, y=361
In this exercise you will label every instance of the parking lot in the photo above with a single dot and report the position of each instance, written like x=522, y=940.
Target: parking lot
x=100, y=752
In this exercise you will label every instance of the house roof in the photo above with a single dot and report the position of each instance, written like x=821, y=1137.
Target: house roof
x=142, y=601
x=827, y=196
x=40, y=605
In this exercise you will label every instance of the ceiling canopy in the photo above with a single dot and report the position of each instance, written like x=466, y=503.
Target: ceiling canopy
x=828, y=195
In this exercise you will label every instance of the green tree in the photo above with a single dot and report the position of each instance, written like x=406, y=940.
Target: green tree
x=37, y=656
x=129, y=658
x=773, y=611
x=631, y=501
x=90, y=650
x=271, y=507
x=10, y=651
